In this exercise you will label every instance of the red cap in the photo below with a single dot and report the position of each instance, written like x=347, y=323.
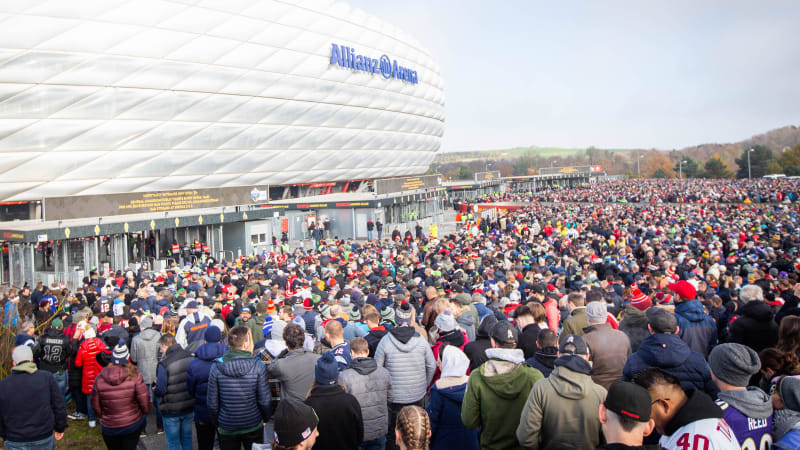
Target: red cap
x=550, y=287
x=684, y=289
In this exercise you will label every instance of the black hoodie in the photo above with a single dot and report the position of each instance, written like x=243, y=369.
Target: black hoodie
x=544, y=360
x=754, y=326
x=476, y=350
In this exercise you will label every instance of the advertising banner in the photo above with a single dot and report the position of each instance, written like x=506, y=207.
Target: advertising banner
x=61, y=208
x=487, y=176
x=389, y=185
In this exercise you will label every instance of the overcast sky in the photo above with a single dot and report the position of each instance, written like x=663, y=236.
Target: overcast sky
x=613, y=74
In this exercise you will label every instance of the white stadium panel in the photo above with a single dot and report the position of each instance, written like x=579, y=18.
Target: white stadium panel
x=110, y=96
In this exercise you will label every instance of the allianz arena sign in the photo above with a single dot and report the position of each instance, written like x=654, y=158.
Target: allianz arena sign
x=345, y=56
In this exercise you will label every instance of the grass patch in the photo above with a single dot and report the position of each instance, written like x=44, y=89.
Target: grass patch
x=78, y=435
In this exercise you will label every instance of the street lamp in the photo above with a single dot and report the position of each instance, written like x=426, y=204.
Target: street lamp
x=749, y=172
x=680, y=169
x=639, y=172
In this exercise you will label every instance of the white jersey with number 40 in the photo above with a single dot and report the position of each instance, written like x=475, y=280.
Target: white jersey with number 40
x=706, y=434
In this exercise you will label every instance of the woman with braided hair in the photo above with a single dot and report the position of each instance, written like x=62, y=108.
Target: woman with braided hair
x=413, y=430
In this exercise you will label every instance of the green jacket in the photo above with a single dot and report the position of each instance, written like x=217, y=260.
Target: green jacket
x=255, y=325
x=575, y=323
x=496, y=393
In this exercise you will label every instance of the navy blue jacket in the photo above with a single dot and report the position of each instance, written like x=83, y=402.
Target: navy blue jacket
x=197, y=377
x=447, y=429
x=697, y=328
x=238, y=393
x=31, y=406
x=669, y=353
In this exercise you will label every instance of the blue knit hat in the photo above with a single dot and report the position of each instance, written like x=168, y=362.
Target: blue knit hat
x=326, y=371
x=212, y=334
x=267, y=327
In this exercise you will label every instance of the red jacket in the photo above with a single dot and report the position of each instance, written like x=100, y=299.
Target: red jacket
x=119, y=400
x=87, y=359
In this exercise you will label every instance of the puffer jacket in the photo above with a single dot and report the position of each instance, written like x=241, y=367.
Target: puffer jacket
x=697, y=328
x=634, y=325
x=372, y=387
x=754, y=326
x=118, y=400
x=561, y=410
x=238, y=394
x=669, y=353
x=171, y=382
x=144, y=352
x=409, y=360
x=87, y=361
x=294, y=369
x=197, y=377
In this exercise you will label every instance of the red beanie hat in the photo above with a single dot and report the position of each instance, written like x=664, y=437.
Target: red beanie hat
x=640, y=301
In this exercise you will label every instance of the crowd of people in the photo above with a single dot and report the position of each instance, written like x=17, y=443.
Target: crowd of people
x=574, y=326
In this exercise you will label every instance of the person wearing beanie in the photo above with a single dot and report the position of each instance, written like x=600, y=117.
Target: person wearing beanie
x=176, y=403
x=120, y=398
x=311, y=317
x=748, y=410
x=476, y=350
x=640, y=301
x=341, y=424
x=497, y=390
x=609, y=348
x=387, y=317
x=296, y=426
x=32, y=408
x=444, y=406
x=90, y=368
x=52, y=351
x=352, y=328
x=786, y=400
x=449, y=334
x=197, y=384
x=410, y=362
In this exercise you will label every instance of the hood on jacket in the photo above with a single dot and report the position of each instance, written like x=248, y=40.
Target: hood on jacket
x=508, y=385
x=634, y=318
x=664, y=350
x=569, y=383
x=114, y=374
x=757, y=310
x=454, y=362
x=149, y=335
x=27, y=367
x=454, y=393
x=574, y=363
x=691, y=310
x=211, y=351
x=364, y=366
x=466, y=320
x=401, y=336
x=486, y=325
x=752, y=402
x=699, y=406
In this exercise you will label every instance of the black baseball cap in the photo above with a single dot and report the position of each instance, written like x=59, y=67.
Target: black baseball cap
x=504, y=333
x=573, y=345
x=629, y=400
x=294, y=422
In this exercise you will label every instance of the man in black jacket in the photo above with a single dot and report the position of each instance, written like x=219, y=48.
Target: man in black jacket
x=546, y=353
x=754, y=326
x=238, y=393
x=32, y=408
x=476, y=350
x=176, y=404
x=529, y=330
x=52, y=351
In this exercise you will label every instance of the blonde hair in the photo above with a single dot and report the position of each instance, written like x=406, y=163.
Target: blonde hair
x=414, y=427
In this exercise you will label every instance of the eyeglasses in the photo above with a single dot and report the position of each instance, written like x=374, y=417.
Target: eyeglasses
x=658, y=400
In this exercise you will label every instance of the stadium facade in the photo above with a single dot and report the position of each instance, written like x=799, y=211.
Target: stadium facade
x=127, y=126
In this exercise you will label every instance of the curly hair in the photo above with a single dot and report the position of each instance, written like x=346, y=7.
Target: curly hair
x=414, y=427
x=782, y=363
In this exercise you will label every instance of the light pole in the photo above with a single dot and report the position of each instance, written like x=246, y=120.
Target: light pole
x=639, y=172
x=749, y=172
x=680, y=169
